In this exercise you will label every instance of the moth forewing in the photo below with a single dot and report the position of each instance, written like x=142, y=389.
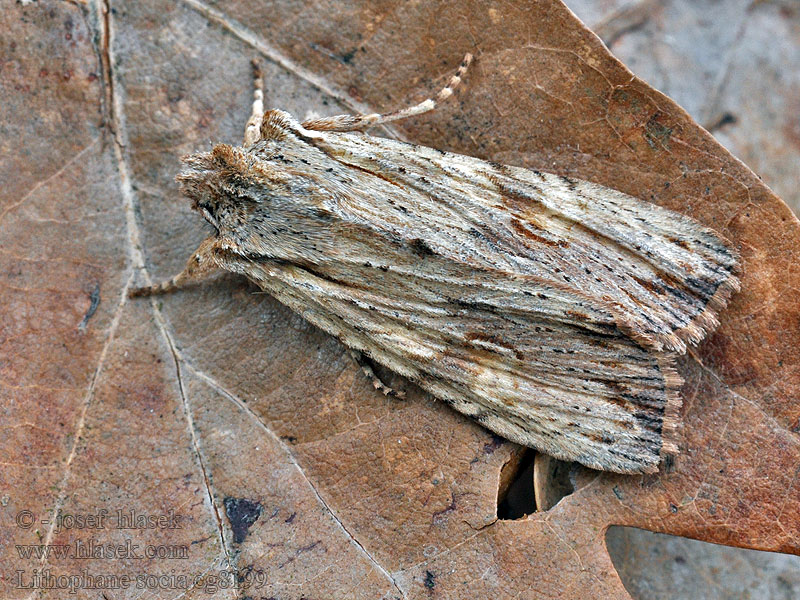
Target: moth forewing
x=548, y=309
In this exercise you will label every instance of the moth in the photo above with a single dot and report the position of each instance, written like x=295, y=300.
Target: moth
x=548, y=309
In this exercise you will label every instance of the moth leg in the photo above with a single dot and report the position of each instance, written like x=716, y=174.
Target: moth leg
x=365, y=365
x=197, y=268
x=252, y=131
x=356, y=122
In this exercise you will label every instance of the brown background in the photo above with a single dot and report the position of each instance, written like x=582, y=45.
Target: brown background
x=218, y=393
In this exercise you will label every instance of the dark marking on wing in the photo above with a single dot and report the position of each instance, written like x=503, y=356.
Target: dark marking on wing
x=421, y=248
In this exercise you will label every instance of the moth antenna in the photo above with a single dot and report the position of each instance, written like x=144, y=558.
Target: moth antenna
x=356, y=122
x=165, y=287
x=252, y=129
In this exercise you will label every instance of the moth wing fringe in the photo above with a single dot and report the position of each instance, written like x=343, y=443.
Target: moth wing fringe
x=671, y=419
x=707, y=320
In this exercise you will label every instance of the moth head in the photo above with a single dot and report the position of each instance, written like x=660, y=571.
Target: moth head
x=256, y=200
x=225, y=185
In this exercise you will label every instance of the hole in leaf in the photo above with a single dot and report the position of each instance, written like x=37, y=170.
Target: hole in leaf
x=516, y=498
x=657, y=565
x=531, y=482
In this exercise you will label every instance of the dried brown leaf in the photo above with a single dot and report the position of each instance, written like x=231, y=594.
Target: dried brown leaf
x=221, y=393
